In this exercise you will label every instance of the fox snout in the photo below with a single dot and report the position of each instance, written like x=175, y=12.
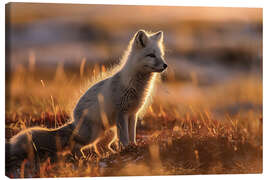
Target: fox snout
x=165, y=66
x=161, y=66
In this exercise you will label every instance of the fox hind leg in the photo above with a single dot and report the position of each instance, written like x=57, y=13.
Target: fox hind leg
x=77, y=151
x=114, y=130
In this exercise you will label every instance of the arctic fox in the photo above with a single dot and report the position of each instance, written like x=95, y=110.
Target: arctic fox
x=114, y=101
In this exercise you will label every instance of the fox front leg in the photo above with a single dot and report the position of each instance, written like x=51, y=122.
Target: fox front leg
x=132, y=122
x=122, y=128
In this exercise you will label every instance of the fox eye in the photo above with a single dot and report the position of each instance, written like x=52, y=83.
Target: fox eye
x=151, y=55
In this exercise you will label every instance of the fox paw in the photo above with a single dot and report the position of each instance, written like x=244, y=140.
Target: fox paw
x=120, y=147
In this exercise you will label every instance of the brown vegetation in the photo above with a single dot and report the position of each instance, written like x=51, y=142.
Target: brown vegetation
x=189, y=129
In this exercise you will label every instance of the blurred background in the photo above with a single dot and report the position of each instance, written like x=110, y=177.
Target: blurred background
x=214, y=57
x=205, y=46
x=213, y=43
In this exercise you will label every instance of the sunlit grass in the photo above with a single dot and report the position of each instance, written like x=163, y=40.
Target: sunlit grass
x=216, y=129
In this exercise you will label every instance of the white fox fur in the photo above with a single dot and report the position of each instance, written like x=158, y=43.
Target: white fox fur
x=114, y=101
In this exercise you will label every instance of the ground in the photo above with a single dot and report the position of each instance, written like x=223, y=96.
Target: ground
x=188, y=129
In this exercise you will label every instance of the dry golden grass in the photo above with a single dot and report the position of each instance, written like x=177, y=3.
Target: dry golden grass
x=189, y=129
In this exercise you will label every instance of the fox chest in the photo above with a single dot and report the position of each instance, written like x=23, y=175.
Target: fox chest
x=131, y=100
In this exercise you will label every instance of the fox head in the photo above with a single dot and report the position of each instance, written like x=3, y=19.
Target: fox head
x=148, y=51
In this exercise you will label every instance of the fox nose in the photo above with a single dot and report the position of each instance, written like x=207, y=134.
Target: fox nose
x=165, y=66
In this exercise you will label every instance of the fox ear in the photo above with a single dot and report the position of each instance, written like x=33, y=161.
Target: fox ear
x=141, y=39
x=158, y=36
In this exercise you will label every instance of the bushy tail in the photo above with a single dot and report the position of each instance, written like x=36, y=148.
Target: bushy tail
x=7, y=153
x=36, y=143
